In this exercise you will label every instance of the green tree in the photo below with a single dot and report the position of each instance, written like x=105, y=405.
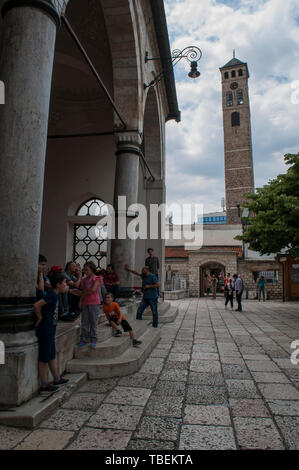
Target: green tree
x=273, y=224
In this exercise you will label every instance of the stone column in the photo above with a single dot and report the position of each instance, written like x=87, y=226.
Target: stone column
x=126, y=184
x=26, y=62
x=155, y=194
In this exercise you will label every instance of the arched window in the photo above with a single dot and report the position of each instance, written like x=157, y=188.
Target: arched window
x=90, y=238
x=240, y=98
x=229, y=98
x=233, y=74
x=240, y=73
x=235, y=119
x=226, y=75
x=93, y=207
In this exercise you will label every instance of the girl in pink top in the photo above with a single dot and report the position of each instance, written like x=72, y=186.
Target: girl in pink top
x=90, y=303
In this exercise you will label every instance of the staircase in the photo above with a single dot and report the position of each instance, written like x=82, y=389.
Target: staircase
x=116, y=357
x=166, y=313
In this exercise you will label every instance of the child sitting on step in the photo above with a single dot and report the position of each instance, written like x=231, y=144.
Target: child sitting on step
x=116, y=318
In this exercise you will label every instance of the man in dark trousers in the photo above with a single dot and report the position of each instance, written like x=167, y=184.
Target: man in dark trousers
x=239, y=287
x=150, y=287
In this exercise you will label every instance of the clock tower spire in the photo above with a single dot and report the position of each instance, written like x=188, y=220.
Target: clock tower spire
x=239, y=177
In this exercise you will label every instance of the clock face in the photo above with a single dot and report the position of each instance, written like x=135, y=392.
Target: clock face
x=234, y=86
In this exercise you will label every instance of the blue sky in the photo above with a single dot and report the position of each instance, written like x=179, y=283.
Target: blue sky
x=266, y=36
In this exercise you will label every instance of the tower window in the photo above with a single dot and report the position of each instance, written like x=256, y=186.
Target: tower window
x=240, y=98
x=229, y=98
x=226, y=75
x=233, y=74
x=235, y=119
x=240, y=73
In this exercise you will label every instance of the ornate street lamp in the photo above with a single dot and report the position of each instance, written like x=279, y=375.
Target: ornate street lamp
x=191, y=53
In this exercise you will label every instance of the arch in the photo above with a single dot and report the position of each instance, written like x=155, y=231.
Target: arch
x=122, y=29
x=226, y=76
x=233, y=74
x=92, y=207
x=152, y=134
x=240, y=72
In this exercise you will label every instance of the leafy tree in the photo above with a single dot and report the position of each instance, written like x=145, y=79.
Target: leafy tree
x=273, y=224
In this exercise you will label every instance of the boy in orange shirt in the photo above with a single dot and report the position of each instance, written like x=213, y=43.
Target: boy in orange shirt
x=116, y=318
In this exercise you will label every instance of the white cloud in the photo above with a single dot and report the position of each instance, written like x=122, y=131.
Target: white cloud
x=265, y=34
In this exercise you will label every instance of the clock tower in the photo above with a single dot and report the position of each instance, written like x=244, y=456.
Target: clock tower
x=239, y=178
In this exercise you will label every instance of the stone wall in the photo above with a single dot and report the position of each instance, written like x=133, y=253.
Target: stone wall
x=247, y=268
x=198, y=259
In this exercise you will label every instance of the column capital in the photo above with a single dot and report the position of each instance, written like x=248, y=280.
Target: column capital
x=128, y=138
x=44, y=5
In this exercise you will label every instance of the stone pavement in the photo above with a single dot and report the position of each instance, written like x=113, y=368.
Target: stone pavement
x=216, y=380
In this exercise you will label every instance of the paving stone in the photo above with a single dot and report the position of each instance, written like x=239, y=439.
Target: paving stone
x=248, y=407
x=206, y=378
x=99, y=386
x=143, y=444
x=242, y=389
x=162, y=428
x=85, y=401
x=175, y=365
x=234, y=371
x=66, y=420
x=257, y=433
x=284, y=407
x=285, y=363
x=100, y=439
x=152, y=366
x=128, y=396
x=210, y=415
x=194, y=437
x=169, y=388
x=139, y=380
x=164, y=406
x=232, y=360
x=204, y=394
x=289, y=427
x=10, y=437
x=205, y=366
x=256, y=357
x=262, y=366
x=177, y=375
x=116, y=417
x=45, y=439
x=159, y=353
x=279, y=391
x=270, y=377
x=179, y=357
x=205, y=356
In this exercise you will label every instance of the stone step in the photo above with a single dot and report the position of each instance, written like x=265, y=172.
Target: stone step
x=111, y=346
x=127, y=363
x=166, y=314
x=31, y=413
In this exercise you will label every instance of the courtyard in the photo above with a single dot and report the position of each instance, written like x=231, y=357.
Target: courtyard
x=216, y=380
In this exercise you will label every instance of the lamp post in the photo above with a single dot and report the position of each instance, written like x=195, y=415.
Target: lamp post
x=191, y=53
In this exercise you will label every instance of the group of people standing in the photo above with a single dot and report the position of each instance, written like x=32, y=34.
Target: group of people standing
x=231, y=285
x=85, y=291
